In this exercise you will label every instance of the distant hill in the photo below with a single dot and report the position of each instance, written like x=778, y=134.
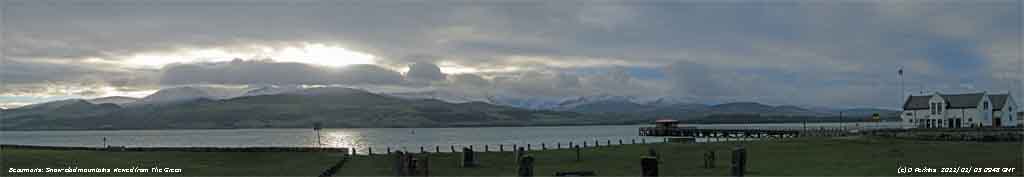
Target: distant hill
x=118, y=100
x=296, y=107
x=334, y=107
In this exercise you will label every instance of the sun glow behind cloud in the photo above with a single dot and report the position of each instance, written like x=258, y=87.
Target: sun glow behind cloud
x=308, y=53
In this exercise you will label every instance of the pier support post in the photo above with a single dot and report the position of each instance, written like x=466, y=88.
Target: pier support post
x=649, y=166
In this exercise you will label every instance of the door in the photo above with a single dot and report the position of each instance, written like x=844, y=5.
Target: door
x=958, y=123
x=997, y=122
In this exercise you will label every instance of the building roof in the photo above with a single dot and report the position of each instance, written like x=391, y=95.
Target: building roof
x=916, y=103
x=998, y=100
x=970, y=100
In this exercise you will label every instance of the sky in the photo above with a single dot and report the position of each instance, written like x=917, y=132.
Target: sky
x=822, y=53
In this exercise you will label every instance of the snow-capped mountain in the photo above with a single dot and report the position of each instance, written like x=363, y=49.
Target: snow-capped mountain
x=451, y=97
x=188, y=93
x=271, y=90
x=53, y=104
x=118, y=100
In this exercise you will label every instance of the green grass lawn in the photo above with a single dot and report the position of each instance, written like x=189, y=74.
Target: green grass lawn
x=191, y=163
x=805, y=157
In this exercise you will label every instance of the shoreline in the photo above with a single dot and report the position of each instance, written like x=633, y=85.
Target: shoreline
x=461, y=126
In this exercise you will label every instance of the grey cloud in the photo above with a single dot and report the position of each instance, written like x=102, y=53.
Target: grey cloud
x=831, y=40
x=469, y=80
x=262, y=72
x=423, y=71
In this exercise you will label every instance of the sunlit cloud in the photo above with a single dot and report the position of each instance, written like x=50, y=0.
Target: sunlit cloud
x=308, y=53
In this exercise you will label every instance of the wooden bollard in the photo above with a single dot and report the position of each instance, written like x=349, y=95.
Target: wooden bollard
x=609, y=143
x=389, y=150
x=542, y=147
x=709, y=159
x=739, y=161
x=525, y=166
x=369, y=151
x=453, y=148
x=437, y=149
x=558, y=145
x=577, y=147
x=649, y=166
x=468, y=158
x=486, y=149
x=501, y=147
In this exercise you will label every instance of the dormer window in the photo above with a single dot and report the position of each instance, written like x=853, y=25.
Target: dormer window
x=984, y=105
x=940, y=108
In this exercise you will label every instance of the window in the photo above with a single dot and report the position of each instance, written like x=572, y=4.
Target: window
x=940, y=108
x=931, y=107
x=984, y=106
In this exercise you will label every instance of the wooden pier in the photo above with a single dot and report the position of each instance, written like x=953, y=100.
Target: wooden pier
x=696, y=132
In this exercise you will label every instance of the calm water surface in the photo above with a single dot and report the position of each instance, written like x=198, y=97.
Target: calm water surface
x=361, y=138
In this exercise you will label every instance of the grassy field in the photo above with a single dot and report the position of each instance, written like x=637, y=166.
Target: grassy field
x=805, y=157
x=191, y=163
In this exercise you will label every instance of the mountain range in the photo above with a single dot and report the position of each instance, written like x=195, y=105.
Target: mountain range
x=297, y=107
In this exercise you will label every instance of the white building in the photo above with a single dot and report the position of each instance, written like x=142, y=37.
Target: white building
x=961, y=110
